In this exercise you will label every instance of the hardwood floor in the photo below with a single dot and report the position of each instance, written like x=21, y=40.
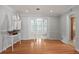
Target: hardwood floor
x=41, y=47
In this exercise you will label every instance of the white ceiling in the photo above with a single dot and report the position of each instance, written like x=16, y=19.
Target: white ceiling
x=44, y=9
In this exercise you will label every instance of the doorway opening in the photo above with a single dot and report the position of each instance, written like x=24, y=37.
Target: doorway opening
x=72, y=29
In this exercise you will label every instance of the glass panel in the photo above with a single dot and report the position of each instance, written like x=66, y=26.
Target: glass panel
x=39, y=27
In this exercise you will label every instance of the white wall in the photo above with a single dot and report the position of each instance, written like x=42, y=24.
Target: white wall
x=65, y=27
x=5, y=42
x=53, y=27
x=25, y=28
x=2, y=27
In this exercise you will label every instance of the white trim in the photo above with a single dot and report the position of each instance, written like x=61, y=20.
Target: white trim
x=46, y=38
x=64, y=42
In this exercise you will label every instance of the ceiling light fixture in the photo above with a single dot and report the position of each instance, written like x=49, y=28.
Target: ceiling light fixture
x=37, y=8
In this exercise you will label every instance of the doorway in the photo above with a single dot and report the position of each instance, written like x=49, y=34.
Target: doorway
x=72, y=29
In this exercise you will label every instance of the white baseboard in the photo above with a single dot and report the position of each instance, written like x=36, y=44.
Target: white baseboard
x=46, y=38
x=64, y=42
x=26, y=39
x=53, y=39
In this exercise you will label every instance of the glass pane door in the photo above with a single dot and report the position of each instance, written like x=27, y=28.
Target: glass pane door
x=39, y=28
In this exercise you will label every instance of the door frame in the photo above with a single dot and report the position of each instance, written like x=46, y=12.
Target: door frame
x=72, y=34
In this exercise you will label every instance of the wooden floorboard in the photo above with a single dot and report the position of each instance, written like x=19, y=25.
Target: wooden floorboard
x=41, y=47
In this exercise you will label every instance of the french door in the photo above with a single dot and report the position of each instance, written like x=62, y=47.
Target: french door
x=39, y=28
